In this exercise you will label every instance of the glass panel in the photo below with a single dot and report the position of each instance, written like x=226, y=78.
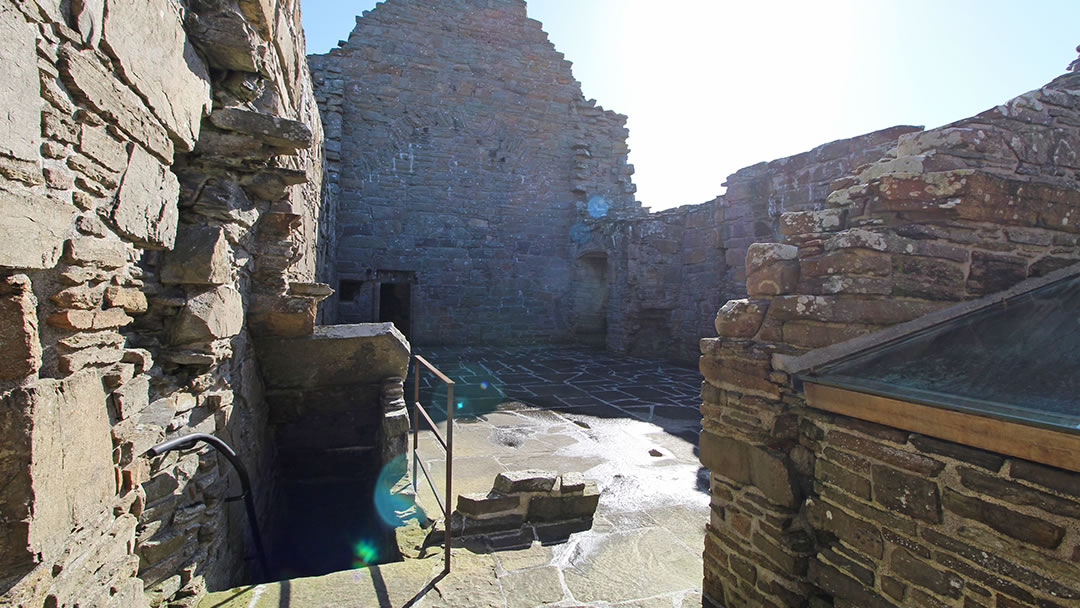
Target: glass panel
x=1019, y=359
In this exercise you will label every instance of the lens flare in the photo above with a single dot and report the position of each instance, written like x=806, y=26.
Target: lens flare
x=365, y=553
x=460, y=404
x=483, y=386
x=394, y=501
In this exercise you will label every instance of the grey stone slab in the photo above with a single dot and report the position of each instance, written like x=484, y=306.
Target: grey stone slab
x=532, y=587
x=20, y=122
x=148, y=39
x=145, y=209
x=38, y=223
x=629, y=566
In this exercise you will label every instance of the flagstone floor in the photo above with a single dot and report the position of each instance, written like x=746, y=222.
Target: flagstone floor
x=629, y=423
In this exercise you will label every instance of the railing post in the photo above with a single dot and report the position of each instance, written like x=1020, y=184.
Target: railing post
x=415, y=421
x=449, y=468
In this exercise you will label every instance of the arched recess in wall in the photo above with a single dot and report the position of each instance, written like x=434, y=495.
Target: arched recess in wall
x=590, y=301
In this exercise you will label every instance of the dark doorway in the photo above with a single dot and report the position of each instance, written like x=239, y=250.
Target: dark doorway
x=591, y=298
x=395, y=306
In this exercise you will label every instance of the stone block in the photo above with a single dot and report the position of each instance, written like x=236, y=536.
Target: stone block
x=131, y=398
x=131, y=300
x=1012, y=523
x=982, y=458
x=201, y=256
x=335, y=355
x=930, y=278
x=492, y=503
x=741, y=318
x=102, y=253
x=20, y=344
x=100, y=145
x=53, y=432
x=570, y=483
x=771, y=269
x=20, y=93
x=84, y=320
x=101, y=91
x=846, y=262
x=145, y=209
x=286, y=316
x=746, y=464
x=907, y=494
x=807, y=222
x=525, y=481
x=994, y=272
x=154, y=55
x=923, y=574
x=861, y=535
x=33, y=229
x=274, y=130
x=209, y=315
x=564, y=507
x=228, y=42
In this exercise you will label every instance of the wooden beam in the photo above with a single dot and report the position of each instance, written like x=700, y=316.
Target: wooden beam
x=1039, y=444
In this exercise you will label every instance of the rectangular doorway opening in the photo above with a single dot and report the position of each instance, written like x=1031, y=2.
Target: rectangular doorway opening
x=395, y=306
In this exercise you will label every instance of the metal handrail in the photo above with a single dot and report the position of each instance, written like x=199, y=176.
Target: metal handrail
x=447, y=444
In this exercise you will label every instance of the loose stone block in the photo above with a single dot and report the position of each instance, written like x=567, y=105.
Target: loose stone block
x=555, y=508
x=571, y=483
x=525, y=481
x=480, y=505
x=803, y=222
x=102, y=253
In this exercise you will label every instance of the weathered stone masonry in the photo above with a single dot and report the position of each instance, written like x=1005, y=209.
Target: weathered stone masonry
x=849, y=513
x=464, y=152
x=160, y=190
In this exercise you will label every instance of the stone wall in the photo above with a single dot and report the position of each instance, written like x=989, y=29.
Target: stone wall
x=847, y=513
x=673, y=269
x=159, y=189
x=464, y=154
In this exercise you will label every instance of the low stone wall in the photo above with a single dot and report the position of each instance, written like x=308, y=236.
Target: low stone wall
x=528, y=499
x=848, y=513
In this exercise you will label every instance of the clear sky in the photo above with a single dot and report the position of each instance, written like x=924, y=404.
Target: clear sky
x=711, y=86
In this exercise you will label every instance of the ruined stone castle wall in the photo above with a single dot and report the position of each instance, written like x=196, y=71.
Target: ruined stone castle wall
x=676, y=267
x=159, y=190
x=807, y=504
x=464, y=154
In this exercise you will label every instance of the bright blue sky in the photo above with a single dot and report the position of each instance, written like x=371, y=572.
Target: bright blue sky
x=712, y=86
